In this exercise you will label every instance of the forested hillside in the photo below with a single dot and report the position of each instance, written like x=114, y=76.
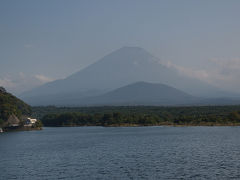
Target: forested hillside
x=138, y=115
x=11, y=105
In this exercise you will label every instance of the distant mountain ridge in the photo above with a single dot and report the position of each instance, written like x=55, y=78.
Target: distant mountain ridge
x=122, y=67
x=142, y=93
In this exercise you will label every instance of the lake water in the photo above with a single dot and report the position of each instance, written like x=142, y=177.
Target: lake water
x=121, y=153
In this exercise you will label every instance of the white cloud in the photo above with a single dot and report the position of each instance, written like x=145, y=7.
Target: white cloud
x=227, y=63
x=225, y=73
x=43, y=79
x=22, y=82
x=22, y=75
x=199, y=74
x=5, y=82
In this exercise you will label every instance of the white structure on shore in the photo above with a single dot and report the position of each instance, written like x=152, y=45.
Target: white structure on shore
x=29, y=121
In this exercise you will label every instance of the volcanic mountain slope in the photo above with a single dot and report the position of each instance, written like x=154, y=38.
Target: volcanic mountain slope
x=124, y=66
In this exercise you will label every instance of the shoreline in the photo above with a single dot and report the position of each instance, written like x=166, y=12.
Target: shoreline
x=125, y=125
x=21, y=129
x=167, y=125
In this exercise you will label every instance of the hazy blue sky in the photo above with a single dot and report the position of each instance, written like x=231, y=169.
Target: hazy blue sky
x=42, y=40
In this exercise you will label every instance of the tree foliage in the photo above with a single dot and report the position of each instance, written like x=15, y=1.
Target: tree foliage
x=9, y=105
x=140, y=115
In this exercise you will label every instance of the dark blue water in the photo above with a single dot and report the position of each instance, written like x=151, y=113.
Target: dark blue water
x=121, y=153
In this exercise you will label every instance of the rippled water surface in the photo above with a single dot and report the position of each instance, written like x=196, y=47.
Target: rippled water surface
x=121, y=153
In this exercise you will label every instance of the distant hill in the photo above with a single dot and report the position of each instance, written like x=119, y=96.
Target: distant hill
x=122, y=67
x=11, y=106
x=141, y=93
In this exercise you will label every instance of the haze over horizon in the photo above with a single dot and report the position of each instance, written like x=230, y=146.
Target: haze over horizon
x=42, y=41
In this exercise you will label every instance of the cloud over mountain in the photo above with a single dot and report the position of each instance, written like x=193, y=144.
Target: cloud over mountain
x=224, y=73
x=21, y=82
